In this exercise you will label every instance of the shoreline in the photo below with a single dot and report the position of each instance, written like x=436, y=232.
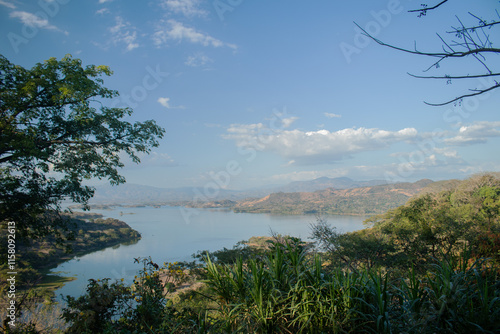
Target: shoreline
x=92, y=235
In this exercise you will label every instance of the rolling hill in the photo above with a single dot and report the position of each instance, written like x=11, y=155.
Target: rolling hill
x=364, y=200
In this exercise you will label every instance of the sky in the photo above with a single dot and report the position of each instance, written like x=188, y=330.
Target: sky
x=259, y=93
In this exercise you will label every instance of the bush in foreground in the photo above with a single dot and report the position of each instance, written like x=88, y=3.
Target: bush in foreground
x=290, y=291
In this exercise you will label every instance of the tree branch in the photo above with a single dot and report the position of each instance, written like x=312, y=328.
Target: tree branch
x=478, y=92
x=426, y=9
x=474, y=46
x=455, y=77
x=443, y=55
x=473, y=28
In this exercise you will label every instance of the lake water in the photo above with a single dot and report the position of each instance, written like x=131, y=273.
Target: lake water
x=172, y=234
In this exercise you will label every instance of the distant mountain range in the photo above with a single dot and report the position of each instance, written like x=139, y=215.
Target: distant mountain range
x=139, y=194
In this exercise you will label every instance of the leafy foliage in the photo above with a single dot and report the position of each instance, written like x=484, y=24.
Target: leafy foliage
x=55, y=133
x=438, y=225
x=94, y=311
x=365, y=248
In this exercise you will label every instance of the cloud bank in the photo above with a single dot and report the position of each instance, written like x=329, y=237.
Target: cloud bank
x=316, y=147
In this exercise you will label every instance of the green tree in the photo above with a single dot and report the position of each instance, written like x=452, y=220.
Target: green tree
x=55, y=133
x=366, y=248
x=432, y=225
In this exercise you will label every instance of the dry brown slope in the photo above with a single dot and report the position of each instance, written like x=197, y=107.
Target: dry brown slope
x=364, y=200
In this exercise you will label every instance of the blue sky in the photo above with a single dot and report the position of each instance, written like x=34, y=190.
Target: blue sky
x=255, y=93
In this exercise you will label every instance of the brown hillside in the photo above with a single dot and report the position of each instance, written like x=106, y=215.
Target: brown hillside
x=364, y=200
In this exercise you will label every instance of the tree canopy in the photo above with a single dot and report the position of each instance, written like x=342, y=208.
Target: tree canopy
x=55, y=133
x=439, y=223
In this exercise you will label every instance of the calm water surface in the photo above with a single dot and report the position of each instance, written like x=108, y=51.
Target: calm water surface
x=173, y=234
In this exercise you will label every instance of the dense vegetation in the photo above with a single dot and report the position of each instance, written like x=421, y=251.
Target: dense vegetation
x=429, y=266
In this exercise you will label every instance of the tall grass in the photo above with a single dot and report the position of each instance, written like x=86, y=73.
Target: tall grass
x=290, y=292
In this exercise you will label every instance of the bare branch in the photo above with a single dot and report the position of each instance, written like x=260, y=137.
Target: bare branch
x=456, y=54
x=455, y=77
x=477, y=92
x=423, y=10
x=471, y=42
x=444, y=42
x=475, y=27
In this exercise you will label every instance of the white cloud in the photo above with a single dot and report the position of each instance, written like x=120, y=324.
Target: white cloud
x=476, y=133
x=104, y=1
x=165, y=101
x=197, y=60
x=331, y=115
x=431, y=154
x=447, y=152
x=172, y=30
x=188, y=8
x=425, y=156
x=7, y=4
x=130, y=45
x=413, y=167
x=313, y=147
x=33, y=20
x=102, y=11
x=287, y=122
x=124, y=32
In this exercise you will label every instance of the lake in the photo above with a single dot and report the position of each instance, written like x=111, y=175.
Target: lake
x=172, y=234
